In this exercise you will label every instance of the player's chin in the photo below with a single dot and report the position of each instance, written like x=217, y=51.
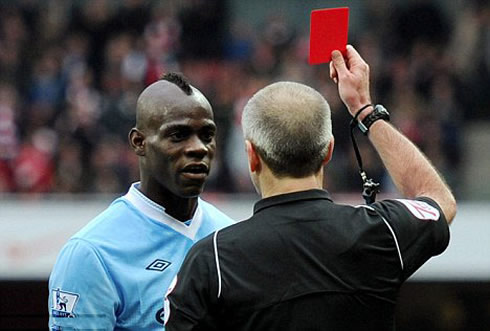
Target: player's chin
x=192, y=185
x=191, y=190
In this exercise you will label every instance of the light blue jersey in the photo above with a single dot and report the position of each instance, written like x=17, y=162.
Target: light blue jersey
x=115, y=271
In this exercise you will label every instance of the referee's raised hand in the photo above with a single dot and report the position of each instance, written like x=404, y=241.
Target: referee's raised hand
x=352, y=76
x=412, y=173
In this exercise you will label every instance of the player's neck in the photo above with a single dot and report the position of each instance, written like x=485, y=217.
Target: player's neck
x=180, y=208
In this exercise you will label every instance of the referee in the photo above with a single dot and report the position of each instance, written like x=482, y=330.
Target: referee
x=303, y=262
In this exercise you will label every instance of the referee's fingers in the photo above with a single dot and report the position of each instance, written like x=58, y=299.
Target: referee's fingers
x=354, y=58
x=333, y=73
x=339, y=63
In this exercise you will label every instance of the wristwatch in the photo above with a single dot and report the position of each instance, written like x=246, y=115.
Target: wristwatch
x=379, y=113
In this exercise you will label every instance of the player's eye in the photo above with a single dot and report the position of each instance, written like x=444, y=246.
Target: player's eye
x=207, y=136
x=178, y=135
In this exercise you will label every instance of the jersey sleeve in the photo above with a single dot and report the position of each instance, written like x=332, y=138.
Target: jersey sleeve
x=191, y=299
x=81, y=292
x=420, y=229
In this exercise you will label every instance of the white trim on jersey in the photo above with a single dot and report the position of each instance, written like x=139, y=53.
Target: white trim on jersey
x=392, y=233
x=218, y=269
x=157, y=212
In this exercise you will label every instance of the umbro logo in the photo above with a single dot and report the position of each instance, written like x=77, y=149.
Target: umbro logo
x=158, y=265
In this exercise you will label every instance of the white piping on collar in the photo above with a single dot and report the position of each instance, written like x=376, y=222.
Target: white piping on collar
x=157, y=212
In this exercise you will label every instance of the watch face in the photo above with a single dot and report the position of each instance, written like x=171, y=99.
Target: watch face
x=381, y=109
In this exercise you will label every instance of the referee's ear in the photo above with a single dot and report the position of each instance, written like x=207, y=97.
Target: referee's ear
x=329, y=154
x=253, y=157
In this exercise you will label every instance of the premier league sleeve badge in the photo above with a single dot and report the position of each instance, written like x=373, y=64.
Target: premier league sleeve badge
x=63, y=303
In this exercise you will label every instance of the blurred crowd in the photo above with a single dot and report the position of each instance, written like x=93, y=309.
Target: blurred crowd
x=71, y=72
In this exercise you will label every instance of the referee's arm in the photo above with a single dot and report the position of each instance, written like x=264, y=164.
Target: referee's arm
x=413, y=174
x=192, y=298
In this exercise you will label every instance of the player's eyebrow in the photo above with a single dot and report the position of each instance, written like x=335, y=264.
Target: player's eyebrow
x=183, y=126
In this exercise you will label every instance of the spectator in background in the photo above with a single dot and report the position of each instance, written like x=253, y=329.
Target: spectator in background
x=160, y=42
x=15, y=60
x=34, y=165
x=93, y=18
x=69, y=171
x=8, y=137
x=202, y=25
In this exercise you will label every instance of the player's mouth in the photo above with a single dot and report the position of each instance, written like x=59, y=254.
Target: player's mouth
x=195, y=171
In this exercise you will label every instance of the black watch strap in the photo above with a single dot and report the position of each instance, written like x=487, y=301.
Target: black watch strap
x=379, y=113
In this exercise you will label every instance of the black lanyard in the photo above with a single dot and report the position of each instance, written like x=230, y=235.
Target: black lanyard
x=370, y=187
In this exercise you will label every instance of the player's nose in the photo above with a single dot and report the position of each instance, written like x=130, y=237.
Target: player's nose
x=196, y=147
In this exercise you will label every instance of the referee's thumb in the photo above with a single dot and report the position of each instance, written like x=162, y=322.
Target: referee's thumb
x=339, y=62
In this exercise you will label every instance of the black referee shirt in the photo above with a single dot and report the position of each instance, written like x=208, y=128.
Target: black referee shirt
x=302, y=262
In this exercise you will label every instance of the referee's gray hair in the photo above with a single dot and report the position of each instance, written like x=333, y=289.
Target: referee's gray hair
x=290, y=126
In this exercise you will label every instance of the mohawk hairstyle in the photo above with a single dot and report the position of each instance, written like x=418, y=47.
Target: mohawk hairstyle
x=179, y=80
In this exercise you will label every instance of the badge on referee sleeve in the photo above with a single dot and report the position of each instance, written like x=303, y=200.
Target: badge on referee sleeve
x=421, y=210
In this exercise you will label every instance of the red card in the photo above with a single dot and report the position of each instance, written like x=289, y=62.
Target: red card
x=328, y=32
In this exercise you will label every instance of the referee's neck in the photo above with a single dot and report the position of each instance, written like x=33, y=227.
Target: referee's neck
x=272, y=185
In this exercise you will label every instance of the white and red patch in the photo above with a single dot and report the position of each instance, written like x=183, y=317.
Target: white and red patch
x=421, y=210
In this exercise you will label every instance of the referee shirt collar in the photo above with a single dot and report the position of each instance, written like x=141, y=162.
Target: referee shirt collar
x=291, y=197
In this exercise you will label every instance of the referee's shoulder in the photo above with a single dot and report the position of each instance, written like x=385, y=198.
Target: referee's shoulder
x=238, y=230
x=204, y=246
x=353, y=209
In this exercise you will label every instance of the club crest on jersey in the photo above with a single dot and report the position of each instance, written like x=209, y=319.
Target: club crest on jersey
x=63, y=303
x=420, y=209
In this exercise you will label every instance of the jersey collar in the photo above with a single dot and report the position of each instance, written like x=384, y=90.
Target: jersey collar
x=291, y=197
x=157, y=212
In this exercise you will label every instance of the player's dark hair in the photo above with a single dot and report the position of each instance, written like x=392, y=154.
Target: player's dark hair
x=179, y=80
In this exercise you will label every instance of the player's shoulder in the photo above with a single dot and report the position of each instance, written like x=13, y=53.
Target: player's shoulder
x=79, y=249
x=77, y=258
x=214, y=213
x=104, y=224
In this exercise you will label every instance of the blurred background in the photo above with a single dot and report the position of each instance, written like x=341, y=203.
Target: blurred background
x=71, y=72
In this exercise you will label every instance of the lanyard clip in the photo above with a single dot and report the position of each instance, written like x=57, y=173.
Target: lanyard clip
x=370, y=188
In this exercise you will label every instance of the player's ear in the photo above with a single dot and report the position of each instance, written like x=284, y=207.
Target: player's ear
x=137, y=141
x=329, y=154
x=253, y=157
